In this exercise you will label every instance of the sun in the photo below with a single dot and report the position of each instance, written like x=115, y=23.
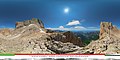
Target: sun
x=66, y=10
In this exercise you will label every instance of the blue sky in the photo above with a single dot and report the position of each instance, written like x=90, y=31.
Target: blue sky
x=81, y=14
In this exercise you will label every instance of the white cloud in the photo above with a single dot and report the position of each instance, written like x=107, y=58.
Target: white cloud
x=79, y=27
x=67, y=29
x=74, y=22
x=61, y=26
x=76, y=28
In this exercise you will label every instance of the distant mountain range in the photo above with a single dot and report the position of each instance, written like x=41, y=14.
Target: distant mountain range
x=87, y=36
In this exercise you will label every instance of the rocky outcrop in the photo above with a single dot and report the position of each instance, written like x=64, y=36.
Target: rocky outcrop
x=67, y=37
x=5, y=31
x=61, y=48
x=109, y=41
x=106, y=28
x=28, y=22
x=70, y=37
x=28, y=27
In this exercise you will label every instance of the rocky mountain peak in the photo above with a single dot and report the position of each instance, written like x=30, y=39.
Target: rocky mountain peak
x=28, y=22
x=108, y=42
x=106, y=28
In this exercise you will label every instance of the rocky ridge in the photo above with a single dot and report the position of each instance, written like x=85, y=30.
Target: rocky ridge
x=35, y=21
x=30, y=36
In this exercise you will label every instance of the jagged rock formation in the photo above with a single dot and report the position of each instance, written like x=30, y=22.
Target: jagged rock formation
x=70, y=37
x=30, y=36
x=109, y=41
x=28, y=22
x=106, y=29
x=67, y=37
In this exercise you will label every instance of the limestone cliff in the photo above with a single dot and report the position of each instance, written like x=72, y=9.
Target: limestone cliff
x=109, y=41
x=67, y=37
x=28, y=22
x=106, y=29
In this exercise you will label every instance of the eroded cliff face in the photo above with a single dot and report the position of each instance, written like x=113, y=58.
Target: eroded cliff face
x=30, y=36
x=35, y=21
x=109, y=41
x=106, y=29
x=67, y=37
